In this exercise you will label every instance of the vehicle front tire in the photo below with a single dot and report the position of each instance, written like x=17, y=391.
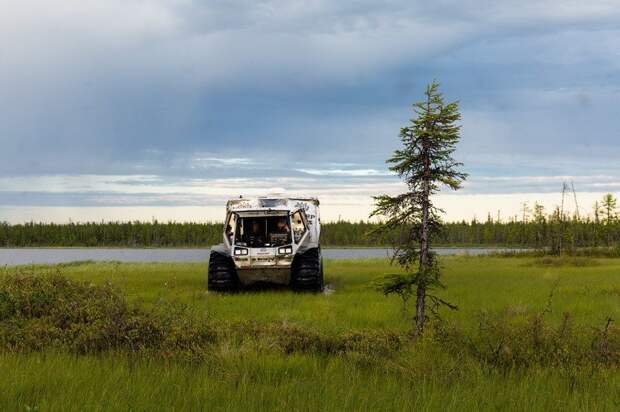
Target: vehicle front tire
x=222, y=275
x=307, y=271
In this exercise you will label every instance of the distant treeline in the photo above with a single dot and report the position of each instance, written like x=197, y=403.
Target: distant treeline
x=542, y=231
x=155, y=234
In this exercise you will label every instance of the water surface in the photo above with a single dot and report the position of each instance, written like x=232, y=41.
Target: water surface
x=25, y=256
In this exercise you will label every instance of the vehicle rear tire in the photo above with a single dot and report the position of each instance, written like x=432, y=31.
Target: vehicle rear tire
x=307, y=271
x=222, y=274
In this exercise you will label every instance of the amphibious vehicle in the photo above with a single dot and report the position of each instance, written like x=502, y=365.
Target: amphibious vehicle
x=269, y=240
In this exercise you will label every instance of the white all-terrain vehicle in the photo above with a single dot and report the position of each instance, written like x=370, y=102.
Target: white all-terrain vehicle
x=269, y=240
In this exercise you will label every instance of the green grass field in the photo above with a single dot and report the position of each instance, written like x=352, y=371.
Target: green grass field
x=239, y=373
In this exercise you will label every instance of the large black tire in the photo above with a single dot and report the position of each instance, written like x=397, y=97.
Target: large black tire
x=307, y=271
x=222, y=275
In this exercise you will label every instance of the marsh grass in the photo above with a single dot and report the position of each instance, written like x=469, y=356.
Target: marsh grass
x=592, y=252
x=103, y=336
x=559, y=261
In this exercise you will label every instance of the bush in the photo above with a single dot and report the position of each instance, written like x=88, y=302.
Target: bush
x=38, y=312
x=508, y=340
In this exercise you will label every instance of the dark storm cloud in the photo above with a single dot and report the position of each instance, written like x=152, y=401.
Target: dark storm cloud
x=183, y=88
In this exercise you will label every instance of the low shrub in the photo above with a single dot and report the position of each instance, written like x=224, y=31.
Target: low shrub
x=509, y=340
x=592, y=252
x=39, y=312
x=289, y=338
x=559, y=261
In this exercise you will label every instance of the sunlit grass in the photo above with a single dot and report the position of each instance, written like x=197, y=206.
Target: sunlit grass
x=308, y=383
x=248, y=377
x=475, y=284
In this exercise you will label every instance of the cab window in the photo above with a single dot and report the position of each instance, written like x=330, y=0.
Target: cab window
x=264, y=231
x=299, y=227
x=231, y=223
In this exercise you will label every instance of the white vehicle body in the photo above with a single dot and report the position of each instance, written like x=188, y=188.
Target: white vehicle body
x=264, y=236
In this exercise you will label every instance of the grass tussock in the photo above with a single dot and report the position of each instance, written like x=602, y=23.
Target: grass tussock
x=560, y=261
x=289, y=338
x=583, y=252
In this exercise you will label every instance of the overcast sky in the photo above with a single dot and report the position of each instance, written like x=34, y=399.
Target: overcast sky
x=127, y=109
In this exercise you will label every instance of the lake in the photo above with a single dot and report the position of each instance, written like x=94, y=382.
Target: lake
x=25, y=256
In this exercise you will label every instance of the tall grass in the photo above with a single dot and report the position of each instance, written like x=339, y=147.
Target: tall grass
x=528, y=336
x=249, y=381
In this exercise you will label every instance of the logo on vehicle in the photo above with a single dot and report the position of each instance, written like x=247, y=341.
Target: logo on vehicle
x=302, y=205
x=243, y=205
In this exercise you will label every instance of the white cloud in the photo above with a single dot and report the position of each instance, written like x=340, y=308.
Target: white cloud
x=333, y=207
x=202, y=162
x=345, y=172
x=347, y=199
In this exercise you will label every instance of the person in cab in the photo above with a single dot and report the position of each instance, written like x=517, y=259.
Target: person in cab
x=255, y=238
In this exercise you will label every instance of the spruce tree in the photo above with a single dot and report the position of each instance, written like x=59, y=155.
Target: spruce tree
x=425, y=164
x=609, y=205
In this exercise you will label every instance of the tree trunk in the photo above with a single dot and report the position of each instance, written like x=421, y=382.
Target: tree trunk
x=419, y=310
x=424, y=263
x=420, y=315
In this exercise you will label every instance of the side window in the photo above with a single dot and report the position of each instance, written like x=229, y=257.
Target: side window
x=231, y=223
x=299, y=227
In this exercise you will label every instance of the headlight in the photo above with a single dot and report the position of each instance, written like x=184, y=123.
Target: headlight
x=241, y=252
x=285, y=250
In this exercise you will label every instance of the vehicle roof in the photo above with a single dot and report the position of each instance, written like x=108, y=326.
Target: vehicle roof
x=273, y=203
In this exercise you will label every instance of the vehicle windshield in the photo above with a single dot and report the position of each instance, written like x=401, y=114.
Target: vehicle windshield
x=265, y=231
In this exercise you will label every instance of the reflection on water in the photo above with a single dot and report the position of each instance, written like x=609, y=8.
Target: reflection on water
x=13, y=257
